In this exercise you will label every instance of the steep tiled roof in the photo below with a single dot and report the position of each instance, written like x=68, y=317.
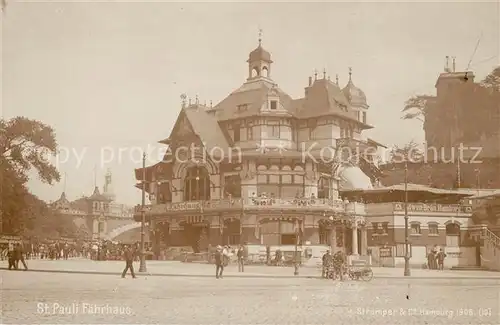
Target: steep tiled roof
x=254, y=95
x=206, y=126
x=324, y=98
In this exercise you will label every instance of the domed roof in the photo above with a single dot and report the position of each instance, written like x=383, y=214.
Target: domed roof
x=259, y=54
x=353, y=178
x=354, y=95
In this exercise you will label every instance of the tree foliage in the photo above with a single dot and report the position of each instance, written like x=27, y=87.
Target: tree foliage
x=24, y=145
x=492, y=80
x=415, y=107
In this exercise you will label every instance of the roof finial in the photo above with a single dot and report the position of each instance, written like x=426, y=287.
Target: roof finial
x=337, y=79
x=183, y=100
x=196, y=100
x=350, y=73
x=315, y=74
x=447, y=66
x=324, y=73
x=210, y=103
x=260, y=36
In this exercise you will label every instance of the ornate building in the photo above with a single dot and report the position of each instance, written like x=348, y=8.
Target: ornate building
x=95, y=215
x=264, y=169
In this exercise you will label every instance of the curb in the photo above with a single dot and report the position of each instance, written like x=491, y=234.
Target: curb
x=255, y=276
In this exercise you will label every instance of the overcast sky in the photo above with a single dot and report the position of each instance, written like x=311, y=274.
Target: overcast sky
x=110, y=75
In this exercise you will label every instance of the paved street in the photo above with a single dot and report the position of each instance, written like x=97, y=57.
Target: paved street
x=35, y=297
x=202, y=269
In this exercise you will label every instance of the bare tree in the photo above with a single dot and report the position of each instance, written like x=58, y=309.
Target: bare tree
x=410, y=152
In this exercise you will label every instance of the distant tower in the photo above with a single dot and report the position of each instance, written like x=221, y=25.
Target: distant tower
x=259, y=62
x=108, y=186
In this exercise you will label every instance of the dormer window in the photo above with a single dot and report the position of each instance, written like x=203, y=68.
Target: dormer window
x=242, y=108
x=274, y=105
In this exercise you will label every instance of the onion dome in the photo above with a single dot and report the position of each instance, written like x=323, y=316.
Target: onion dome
x=354, y=95
x=259, y=54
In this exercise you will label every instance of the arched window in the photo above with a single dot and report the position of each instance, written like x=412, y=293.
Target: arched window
x=452, y=235
x=255, y=72
x=324, y=188
x=265, y=72
x=197, y=184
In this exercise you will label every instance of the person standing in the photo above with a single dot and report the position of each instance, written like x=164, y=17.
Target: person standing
x=241, y=259
x=440, y=259
x=11, y=256
x=128, y=256
x=219, y=263
x=19, y=256
x=326, y=264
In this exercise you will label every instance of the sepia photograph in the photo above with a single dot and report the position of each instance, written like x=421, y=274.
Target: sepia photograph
x=250, y=162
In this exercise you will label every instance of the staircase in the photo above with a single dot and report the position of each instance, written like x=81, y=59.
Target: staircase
x=490, y=248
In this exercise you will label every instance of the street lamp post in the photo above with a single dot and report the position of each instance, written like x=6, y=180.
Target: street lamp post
x=142, y=265
x=407, y=250
x=296, y=262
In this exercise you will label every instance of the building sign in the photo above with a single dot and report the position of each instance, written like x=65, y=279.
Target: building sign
x=385, y=251
x=198, y=206
x=423, y=207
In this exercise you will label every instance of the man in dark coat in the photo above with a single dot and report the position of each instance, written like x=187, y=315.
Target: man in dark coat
x=19, y=256
x=327, y=259
x=219, y=263
x=128, y=256
x=241, y=259
x=440, y=259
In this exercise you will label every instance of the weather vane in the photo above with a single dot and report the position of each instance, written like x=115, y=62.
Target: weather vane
x=260, y=36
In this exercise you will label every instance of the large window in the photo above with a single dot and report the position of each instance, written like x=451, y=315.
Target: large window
x=197, y=184
x=273, y=131
x=324, y=187
x=433, y=229
x=452, y=235
x=283, y=186
x=232, y=186
x=278, y=232
x=415, y=228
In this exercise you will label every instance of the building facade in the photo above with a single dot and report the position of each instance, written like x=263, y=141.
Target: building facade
x=264, y=169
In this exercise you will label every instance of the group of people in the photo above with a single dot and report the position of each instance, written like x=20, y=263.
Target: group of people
x=222, y=258
x=435, y=259
x=333, y=263
x=16, y=255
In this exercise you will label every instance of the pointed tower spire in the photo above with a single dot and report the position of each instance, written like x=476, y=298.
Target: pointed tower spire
x=260, y=36
x=337, y=79
x=350, y=74
x=315, y=74
x=324, y=73
x=95, y=176
x=64, y=184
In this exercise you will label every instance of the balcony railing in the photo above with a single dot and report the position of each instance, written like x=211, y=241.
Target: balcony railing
x=240, y=204
x=295, y=203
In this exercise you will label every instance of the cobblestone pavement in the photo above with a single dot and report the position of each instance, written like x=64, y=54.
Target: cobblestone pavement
x=29, y=297
x=197, y=269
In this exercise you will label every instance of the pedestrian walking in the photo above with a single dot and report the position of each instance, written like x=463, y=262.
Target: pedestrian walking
x=128, y=256
x=19, y=255
x=219, y=263
x=241, y=258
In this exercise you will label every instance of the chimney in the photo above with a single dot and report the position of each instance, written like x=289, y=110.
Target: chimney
x=310, y=81
x=447, y=65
